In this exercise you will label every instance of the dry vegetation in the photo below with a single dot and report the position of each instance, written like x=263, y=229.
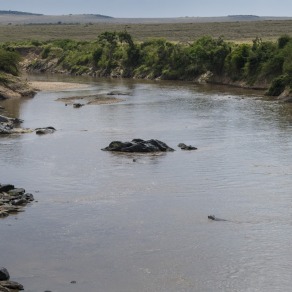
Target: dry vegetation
x=178, y=32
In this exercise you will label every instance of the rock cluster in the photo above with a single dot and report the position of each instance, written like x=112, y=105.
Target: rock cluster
x=12, y=200
x=6, y=285
x=11, y=126
x=138, y=145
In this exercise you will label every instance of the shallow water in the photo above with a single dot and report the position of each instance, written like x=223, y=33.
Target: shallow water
x=116, y=225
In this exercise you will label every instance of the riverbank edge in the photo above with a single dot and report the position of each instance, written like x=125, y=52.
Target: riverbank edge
x=12, y=201
x=51, y=66
x=14, y=87
x=18, y=87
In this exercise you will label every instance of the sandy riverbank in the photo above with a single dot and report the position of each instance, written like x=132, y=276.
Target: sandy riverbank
x=55, y=86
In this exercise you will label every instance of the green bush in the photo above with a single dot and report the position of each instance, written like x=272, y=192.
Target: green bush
x=9, y=62
x=46, y=52
x=283, y=41
x=278, y=86
x=237, y=60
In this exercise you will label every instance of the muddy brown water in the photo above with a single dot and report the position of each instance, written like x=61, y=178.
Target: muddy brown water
x=117, y=225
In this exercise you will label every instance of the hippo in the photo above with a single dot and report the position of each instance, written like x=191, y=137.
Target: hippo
x=77, y=105
x=183, y=146
x=138, y=145
x=46, y=130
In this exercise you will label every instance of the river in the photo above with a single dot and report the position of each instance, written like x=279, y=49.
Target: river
x=137, y=223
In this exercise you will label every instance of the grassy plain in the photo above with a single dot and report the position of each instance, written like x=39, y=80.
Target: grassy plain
x=177, y=32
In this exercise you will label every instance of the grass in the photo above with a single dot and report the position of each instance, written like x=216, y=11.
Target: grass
x=176, y=32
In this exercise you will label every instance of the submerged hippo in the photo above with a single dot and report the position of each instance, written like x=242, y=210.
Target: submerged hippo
x=46, y=130
x=183, y=146
x=78, y=105
x=212, y=217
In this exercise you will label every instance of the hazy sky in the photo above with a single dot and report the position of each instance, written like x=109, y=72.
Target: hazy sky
x=153, y=8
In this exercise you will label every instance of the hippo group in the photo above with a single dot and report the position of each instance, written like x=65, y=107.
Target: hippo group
x=138, y=145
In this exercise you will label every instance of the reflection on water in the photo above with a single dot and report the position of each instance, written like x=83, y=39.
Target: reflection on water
x=116, y=222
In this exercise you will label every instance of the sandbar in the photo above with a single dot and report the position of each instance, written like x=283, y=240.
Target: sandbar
x=55, y=86
x=94, y=99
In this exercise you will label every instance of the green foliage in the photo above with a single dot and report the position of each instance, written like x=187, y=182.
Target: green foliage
x=155, y=57
x=283, y=41
x=287, y=56
x=278, y=85
x=45, y=52
x=96, y=55
x=36, y=43
x=273, y=66
x=3, y=78
x=65, y=44
x=208, y=54
x=261, y=52
x=237, y=60
x=9, y=62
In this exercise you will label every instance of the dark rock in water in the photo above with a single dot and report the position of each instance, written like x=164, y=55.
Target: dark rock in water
x=16, y=192
x=46, y=130
x=7, y=126
x=8, y=120
x=2, y=108
x=212, y=217
x=10, y=286
x=28, y=197
x=4, y=275
x=138, y=145
x=77, y=105
x=17, y=121
x=6, y=188
x=4, y=119
x=5, y=129
x=186, y=147
x=19, y=202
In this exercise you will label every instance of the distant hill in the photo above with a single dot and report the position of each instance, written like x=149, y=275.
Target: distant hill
x=97, y=15
x=19, y=17
x=26, y=18
x=11, y=12
x=244, y=17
